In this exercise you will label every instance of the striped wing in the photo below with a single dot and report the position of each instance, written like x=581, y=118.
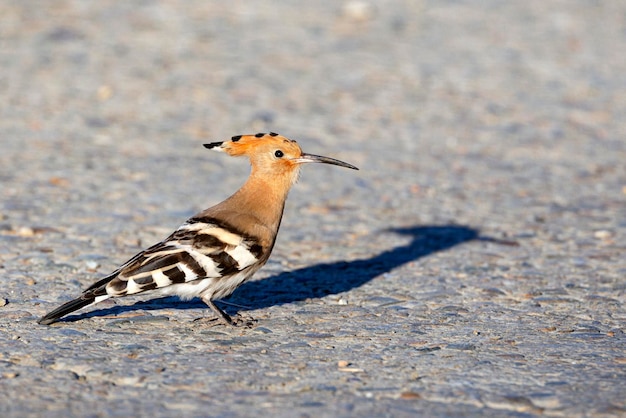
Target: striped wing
x=201, y=248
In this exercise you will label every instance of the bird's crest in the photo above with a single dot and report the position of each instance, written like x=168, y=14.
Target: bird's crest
x=248, y=144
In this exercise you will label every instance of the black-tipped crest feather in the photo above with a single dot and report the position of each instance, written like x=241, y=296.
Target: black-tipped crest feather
x=213, y=144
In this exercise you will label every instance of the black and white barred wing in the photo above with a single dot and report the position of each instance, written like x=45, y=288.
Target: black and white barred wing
x=197, y=250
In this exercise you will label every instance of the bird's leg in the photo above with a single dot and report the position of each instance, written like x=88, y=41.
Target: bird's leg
x=220, y=313
x=225, y=317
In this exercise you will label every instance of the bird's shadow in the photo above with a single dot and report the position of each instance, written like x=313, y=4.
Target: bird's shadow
x=322, y=279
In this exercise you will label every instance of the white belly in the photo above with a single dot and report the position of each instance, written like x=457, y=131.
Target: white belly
x=214, y=288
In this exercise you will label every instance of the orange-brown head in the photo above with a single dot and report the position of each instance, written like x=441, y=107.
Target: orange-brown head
x=272, y=154
x=258, y=205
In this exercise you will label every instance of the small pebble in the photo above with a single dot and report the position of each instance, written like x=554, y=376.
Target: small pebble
x=342, y=363
x=358, y=11
x=263, y=330
x=410, y=395
x=92, y=265
x=603, y=234
x=25, y=231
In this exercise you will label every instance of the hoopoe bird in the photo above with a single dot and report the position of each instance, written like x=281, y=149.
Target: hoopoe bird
x=218, y=249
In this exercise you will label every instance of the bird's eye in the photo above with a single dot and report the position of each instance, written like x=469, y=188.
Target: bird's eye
x=279, y=154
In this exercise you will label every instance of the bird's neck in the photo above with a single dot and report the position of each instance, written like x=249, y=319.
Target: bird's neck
x=262, y=197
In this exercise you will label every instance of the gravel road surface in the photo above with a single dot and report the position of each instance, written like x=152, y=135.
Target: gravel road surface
x=475, y=266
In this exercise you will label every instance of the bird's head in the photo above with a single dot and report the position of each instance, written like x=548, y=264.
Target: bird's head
x=272, y=154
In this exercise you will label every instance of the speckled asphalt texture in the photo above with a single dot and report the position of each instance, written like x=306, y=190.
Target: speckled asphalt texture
x=475, y=266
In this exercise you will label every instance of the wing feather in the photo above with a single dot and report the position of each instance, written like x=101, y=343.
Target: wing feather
x=199, y=249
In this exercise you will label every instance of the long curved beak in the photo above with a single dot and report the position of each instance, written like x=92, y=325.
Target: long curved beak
x=312, y=158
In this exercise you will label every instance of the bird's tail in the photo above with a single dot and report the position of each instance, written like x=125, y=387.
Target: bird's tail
x=94, y=294
x=66, y=308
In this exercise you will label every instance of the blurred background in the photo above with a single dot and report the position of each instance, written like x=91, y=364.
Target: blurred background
x=443, y=94
x=502, y=118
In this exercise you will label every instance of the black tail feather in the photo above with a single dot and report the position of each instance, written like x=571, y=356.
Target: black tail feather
x=66, y=308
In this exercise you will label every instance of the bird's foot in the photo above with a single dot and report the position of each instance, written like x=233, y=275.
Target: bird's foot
x=243, y=321
x=238, y=321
